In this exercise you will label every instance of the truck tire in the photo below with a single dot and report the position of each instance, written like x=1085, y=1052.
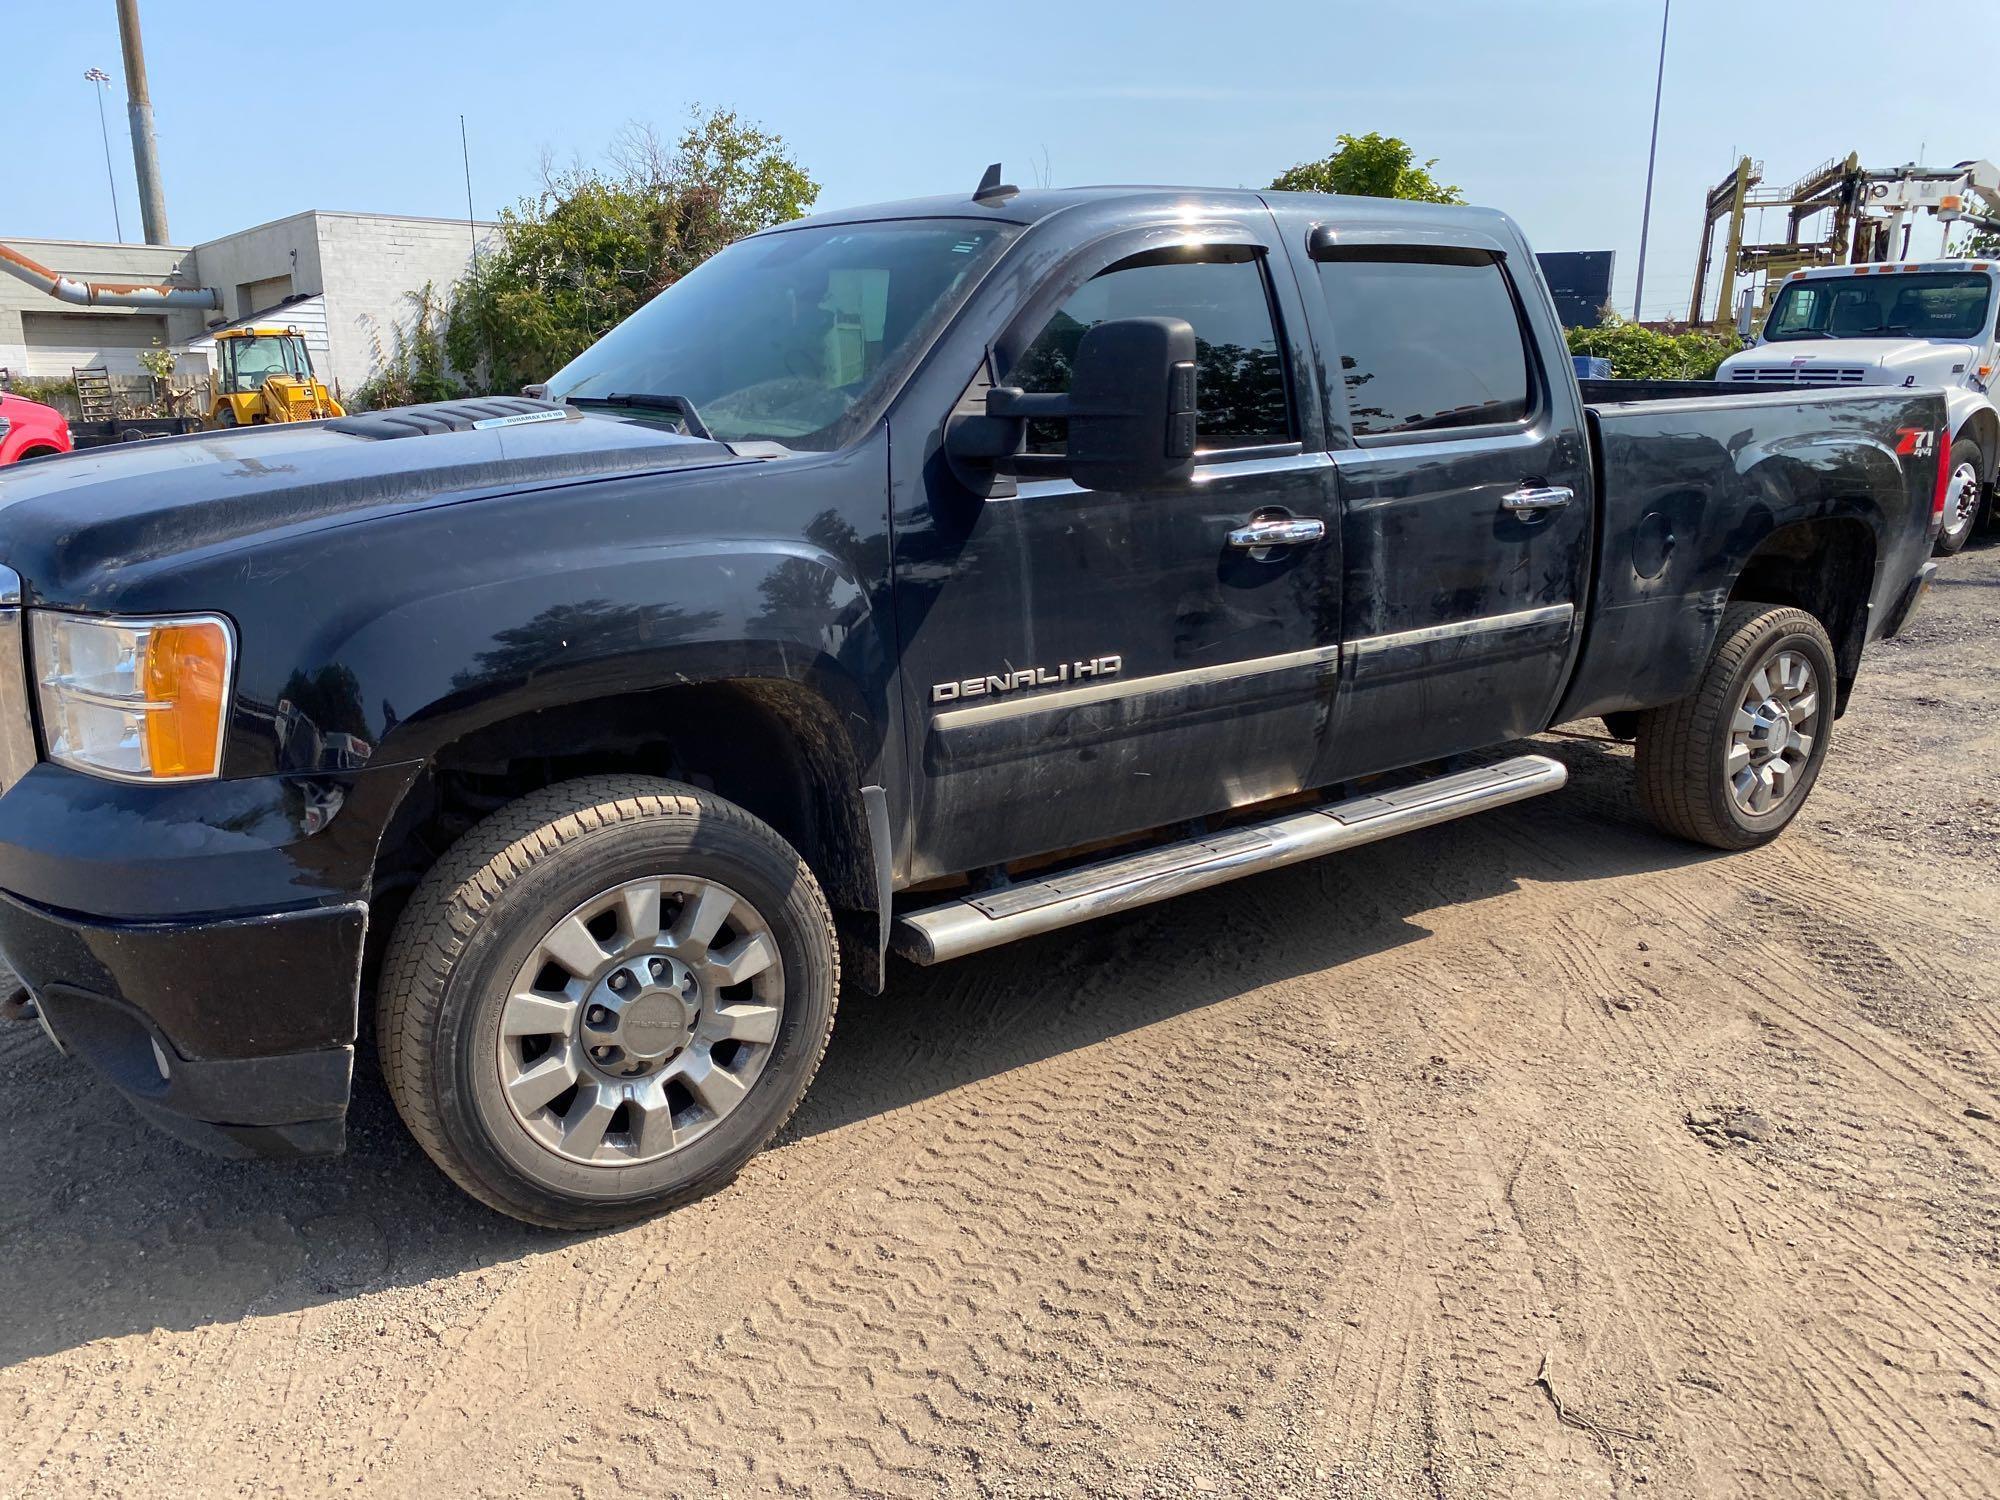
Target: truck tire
x=605, y=999
x=1964, y=493
x=1731, y=764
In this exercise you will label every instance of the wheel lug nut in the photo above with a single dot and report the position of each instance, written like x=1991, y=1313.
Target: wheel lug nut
x=659, y=967
x=621, y=981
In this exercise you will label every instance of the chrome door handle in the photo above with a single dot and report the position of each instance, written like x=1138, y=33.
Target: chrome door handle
x=1277, y=531
x=1530, y=498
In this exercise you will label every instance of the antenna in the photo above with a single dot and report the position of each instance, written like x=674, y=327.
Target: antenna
x=992, y=189
x=471, y=228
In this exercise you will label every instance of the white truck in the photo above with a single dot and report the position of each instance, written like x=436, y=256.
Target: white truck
x=1929, y=325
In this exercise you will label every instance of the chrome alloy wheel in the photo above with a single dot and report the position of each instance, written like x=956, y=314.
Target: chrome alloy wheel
x=1961, y=498
x=1771, y=733
x=641, y=1020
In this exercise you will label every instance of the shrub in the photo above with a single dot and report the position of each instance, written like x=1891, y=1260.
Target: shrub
x=417, y=370
x=1639, y=353
x=61, y=394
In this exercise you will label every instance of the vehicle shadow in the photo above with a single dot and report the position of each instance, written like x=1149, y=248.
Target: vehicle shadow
x=943, y=1027
x=109, y=1228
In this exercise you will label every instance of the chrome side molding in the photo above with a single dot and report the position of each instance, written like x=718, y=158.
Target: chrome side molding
x=987, y=920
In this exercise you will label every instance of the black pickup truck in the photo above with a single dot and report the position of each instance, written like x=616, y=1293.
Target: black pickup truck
x=918, y=578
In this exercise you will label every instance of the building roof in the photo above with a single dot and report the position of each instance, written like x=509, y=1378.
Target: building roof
x=344, y=213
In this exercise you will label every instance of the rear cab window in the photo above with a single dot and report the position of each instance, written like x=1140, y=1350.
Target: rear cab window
x=1430, y=339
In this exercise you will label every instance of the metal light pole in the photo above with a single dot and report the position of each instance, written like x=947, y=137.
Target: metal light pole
x=102, y=80
x=145, y=154
x=1652, y=150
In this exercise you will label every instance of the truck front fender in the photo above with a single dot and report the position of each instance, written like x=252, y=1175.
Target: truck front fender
x=433, y=671
x=1972, y=414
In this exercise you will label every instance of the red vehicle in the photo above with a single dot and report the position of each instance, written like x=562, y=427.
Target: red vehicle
x=29, y=429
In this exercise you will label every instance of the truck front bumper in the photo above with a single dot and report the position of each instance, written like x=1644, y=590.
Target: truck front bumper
x=235, y=1081
x=200, y=944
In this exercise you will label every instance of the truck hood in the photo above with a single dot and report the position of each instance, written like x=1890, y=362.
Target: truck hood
x=128, y=505
x=1876, y=361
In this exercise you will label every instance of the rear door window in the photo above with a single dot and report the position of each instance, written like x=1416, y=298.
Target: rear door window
x=1430, y=339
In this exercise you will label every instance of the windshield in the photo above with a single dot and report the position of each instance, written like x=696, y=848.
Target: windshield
x=786, y=336
x=248, y=363
x=1931, y=305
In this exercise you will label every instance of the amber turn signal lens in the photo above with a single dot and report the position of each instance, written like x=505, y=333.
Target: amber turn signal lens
x=187, y=677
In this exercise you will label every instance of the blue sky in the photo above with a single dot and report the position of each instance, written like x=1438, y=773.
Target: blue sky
x=1540, y=107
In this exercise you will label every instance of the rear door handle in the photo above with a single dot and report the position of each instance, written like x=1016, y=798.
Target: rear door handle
x=1531, y=498
x=1264, y=532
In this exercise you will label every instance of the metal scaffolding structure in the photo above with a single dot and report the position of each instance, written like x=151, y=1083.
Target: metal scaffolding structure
x=1869, y=214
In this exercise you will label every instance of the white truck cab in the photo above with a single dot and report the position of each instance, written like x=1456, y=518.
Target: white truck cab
x=1933, y=324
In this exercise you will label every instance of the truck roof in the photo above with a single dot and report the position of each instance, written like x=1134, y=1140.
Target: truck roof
x=1890, y=267
x=1030, y=205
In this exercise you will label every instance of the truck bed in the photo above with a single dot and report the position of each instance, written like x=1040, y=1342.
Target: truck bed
x=1695, y=482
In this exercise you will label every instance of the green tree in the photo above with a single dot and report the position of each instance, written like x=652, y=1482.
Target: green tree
x=1370, y=166
x=597, y=243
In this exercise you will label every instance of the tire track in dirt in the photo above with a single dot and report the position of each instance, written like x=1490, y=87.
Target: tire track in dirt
x=1063, y=1304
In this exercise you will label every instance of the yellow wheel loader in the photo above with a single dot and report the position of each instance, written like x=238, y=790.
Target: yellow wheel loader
x=264, y=374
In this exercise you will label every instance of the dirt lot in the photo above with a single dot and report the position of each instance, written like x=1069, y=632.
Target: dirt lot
x=1533, y=1156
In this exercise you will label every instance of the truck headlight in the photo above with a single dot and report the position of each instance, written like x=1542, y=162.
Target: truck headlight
x=138, y=700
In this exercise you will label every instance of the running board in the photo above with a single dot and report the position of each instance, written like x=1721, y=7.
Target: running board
x=1112, y=885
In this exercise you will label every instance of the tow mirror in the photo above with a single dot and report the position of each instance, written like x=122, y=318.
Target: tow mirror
x=1129, y=411
x=1746, y=314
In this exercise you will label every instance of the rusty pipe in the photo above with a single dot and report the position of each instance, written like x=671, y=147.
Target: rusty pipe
x=104, y=293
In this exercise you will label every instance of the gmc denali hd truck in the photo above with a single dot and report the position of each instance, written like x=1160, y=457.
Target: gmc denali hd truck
x=922, y=577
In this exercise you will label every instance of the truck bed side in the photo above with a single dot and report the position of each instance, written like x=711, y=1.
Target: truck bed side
x=1819, y=499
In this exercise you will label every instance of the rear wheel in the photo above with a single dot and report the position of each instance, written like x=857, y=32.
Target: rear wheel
x=1965, y=490
x=605, y=999
x=1733, y=762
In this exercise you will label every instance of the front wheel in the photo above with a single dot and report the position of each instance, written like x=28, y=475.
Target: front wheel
x=1733, y=762
x=605, y=999
x=1963, y=493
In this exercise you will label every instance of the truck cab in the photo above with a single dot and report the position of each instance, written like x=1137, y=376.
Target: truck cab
x=1931, y=325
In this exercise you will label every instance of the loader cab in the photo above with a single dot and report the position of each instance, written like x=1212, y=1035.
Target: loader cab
x=251, y=357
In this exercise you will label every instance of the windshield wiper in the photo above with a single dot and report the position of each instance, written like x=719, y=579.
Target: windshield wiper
x=680, y=406
x=1801, y=333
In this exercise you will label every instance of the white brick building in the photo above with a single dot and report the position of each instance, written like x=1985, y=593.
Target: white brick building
x=362, y=265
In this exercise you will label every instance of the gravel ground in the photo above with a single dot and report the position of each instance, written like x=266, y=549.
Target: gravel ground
x=1535, y=1155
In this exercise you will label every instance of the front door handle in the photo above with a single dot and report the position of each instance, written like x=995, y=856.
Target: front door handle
x=1262, y=533
x=1532, y=499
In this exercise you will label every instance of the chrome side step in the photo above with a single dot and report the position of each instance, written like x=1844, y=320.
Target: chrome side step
x=957, y=928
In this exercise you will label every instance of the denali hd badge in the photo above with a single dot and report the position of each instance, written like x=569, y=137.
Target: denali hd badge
x=1027, y=677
